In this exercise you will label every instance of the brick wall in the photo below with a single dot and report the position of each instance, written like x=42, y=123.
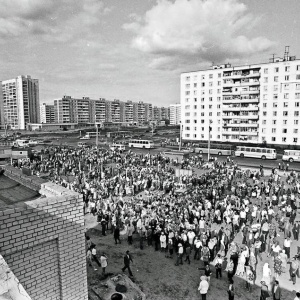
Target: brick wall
x=43, y=243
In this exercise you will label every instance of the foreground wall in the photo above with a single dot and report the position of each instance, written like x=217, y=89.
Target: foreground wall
x=43, y=243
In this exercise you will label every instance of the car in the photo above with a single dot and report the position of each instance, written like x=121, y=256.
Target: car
x=86, y=137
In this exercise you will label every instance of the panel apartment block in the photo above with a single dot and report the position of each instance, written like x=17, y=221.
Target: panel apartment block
x=43, y=243
x=253, y=103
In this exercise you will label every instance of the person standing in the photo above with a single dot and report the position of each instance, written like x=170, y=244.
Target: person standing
x=127, y=261
x=203, y=287
x=296, y=229
x=287, y=246
x=264, y=292
x=94, y=255
x=179, y=255
x=187, y=253
x=249, y=278
x=294, y=268
x=230, y=290
x=103, y=261
x=218, y=266
x=117, y=235
x=276, y=291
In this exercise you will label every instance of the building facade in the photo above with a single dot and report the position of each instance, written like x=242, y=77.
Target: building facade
x=254, y=103
x=62, y=110
x=175, y=114
x=20, y=102
x=47, y=113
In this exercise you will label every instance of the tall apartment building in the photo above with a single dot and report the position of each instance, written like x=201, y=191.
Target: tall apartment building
x=113, y=111
x=175, y=114
x=148, y=112
x=80, y=110
x=139, y=112
x=20, y=102
x=97, y=110
x=127, y=111
x=47, y=113
x=62, y=110
x=253, y=103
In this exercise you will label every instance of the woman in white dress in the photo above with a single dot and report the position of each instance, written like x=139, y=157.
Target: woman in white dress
x=241, y=265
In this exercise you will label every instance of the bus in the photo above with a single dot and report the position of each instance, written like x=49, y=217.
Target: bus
x=21, y=143
x=256, y=152
x=141, y=144
x=291, y=155
x=217, y=149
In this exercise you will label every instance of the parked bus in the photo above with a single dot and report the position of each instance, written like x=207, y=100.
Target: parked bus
x=291, y=155
x=141, y=144
x=217, y=149
x=256, y=152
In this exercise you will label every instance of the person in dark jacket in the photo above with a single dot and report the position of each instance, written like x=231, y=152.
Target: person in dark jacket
x=117, y=235
x=127, y=260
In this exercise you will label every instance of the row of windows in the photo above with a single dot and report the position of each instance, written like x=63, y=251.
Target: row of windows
x=202, y=92
x=285, y=104
x=273, y=139
x=195, y=77
x=202, y=106
x=284, y=113
x=274, y=130
x=286, y=69
x=276, y=78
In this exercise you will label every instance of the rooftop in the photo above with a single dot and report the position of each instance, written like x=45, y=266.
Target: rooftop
x=12, y=192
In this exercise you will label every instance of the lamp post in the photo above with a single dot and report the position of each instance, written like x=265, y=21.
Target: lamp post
x=96, y=131
x=208, y=148
x=180, y=136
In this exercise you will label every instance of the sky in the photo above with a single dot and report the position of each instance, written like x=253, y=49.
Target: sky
x=137, y=49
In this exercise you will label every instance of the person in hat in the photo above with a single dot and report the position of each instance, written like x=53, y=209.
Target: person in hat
x=203, y=287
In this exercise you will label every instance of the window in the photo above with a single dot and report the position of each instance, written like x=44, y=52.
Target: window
x=286, y=96
x=195, y=85
x=202, y=128
x=295, y=140
x=285, y=113
x=295, y=130
x=202, y=106
x=202, y=136
x=273, y=138
x=274, y=113
x=275, y=96
x=219, y=91
x=275, y=104
x=218, y=114
x=275, y=78
x=298, y=68
x=265, y=79
x=202, y=121
x=265, y=71
x=203, y=84
x=210, y=106
x=210, y=84
x=210, y=76
x=195, y=99
x=287, y=69
x=210, y=114
x=285, y=104
x=218, y=98
x=195, y=92
x=264, y=113
x=276, y=70
x=265, y=88
x=297, y=95
x=187, y=100
x=210, y=91
x=210, y=98
x=218, y=106
x=274, y=122
x=297, y=86
x=187, y=135
x=264, y=105
x=195, y=106
x=284, y=130
x=219, y=75
x=295, y=122
x=219, y=82
x=298, y=77
x=202, y=99
x=187, y=107
x=264, y=122
x=187, y=128
x=187, y=86
x=187, y=121
x=187, y=78
x=273, y=130
x=202, y=114
x=195, y=128
x=263, y=130
x=203, y=77
x=195, y=135
x=284, y=139
x=284, y=122
x=275, y=88
x=187, y=92
x=187, y=114
x=297, y=104
x=195, y=121
x=296, y=113
x=286, y=77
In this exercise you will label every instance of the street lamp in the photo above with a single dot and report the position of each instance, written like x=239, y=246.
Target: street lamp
x=96, y=131
x=180, y=135
x=209, y=130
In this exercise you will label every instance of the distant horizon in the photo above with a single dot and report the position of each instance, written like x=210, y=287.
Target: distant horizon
x=137, y=51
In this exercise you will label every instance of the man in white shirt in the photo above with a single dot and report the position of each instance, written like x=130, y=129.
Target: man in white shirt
x=287, y=246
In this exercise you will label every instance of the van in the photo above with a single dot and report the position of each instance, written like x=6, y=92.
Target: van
x=119, y=147
x=81, y=144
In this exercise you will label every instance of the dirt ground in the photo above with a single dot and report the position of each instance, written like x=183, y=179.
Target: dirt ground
x=160, y=279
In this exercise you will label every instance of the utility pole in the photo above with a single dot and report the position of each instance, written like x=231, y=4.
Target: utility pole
x=180, y=136
x=209, y=130
x=96, y=131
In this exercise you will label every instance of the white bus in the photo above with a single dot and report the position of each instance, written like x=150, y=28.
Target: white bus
x=217, y=149
x=141, y=144
x=256, y=152
x=21, y=143
x=291, y=155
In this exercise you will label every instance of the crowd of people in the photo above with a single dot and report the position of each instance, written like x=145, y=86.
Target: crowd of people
x=231, y=219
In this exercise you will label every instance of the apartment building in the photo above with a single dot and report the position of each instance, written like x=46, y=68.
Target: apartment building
x=127, y=111
x=175, y=114
x=97, y=110
x=47, y=113
x=20, y=102
x=139, y=112
x=252, y=103
x=113, y=111
x=62, y=110
x=148, y=112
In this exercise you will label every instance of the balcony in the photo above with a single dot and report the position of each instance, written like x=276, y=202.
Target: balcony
x=240, y=108
x=237, y=84
x=237, y=100
x=230, y=132
x=248, y=116
x=242, y=74
x=246, y=125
